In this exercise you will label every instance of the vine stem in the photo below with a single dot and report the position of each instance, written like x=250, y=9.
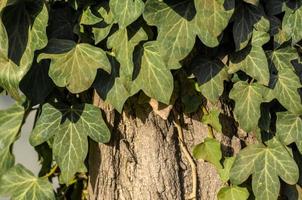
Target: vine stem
x=188, y=156
x=52, y=171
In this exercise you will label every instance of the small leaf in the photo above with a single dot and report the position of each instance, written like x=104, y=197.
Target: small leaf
x=289, y=128
x=88, y=18
x=126, y=11
x=212, y=119
x=211, y=75
x=248, y=98
x=266, y=163
x=74, y=65
x=209, y=151
x=154, y=78
x=233, y=193
x=10, y=124
x=21, y=184
x=225, y=172
x=282, y=57
x=70, y=127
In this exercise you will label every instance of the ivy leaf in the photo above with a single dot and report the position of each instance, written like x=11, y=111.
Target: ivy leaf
x=70, y=127
x=211, y=74
x=253, y=61
x=122, y=43
x=282, y=57
x=74, y=65
x=126, y=11
x=88, y=18
x=245, y=20
x=21, y=184
x=102, y=30
x=289, y=128
x=154, y=78
x=286, y=92
x=266, y=163
x=176, y=28
x=10, y=73
x=225, y=172
x=248, y=98
x=292, y=24
x=212, y=18
x=212, y=119
x=36, y=84
x=233, y=193
x=209, y=151
x=10, y=124
x=115, y=90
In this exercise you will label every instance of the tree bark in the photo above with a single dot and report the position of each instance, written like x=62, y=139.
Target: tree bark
x=144, y=160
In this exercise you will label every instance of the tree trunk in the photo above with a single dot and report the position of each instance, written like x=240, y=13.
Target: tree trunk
x=144, y=160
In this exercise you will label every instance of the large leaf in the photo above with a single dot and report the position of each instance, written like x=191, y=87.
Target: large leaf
x=18, y=42
x=176, y=28
x=286, y=92
x=289, y=128
x=248, y=98
x=211, y=19
x=292, y=24
x=211, y=75
x=10, y=124
x=233, y=193
x=70, y=127
x=74, y=65
x=209, y=151
x=253, y=61
x=20, y=184
x=126, y=11
x=266, y=164
x=154, y=78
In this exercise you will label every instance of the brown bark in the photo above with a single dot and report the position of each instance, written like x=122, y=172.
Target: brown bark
x=144, y=160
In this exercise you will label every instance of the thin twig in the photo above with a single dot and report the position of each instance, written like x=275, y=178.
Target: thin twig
x=52, y=171
x=187, y=155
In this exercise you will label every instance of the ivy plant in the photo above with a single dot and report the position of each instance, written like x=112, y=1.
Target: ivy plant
x=245, y=54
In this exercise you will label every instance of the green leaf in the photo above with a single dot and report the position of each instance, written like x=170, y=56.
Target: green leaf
x=289, y=128
x=102, y=30
x=253, y=61
x=209, y=151
x=254, y=2
x=286, y=90
x=212, y=18
x=282, y=57
x=15, y=49
x=70, y=127
x=88, y=18
x=126, y=11
x=122, y=43
x=248, y=98
x=154, y=78
x=225, y=172
x=266, y=163
x=233, y=193
x=10, y=125
x=211, y=75
x=74, y=65
x=247, y=18
x=212, y=119
x=21, y=184
x=176, y=28
x=292, y=24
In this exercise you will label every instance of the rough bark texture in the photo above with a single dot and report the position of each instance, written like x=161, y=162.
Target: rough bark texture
x=144, y=161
